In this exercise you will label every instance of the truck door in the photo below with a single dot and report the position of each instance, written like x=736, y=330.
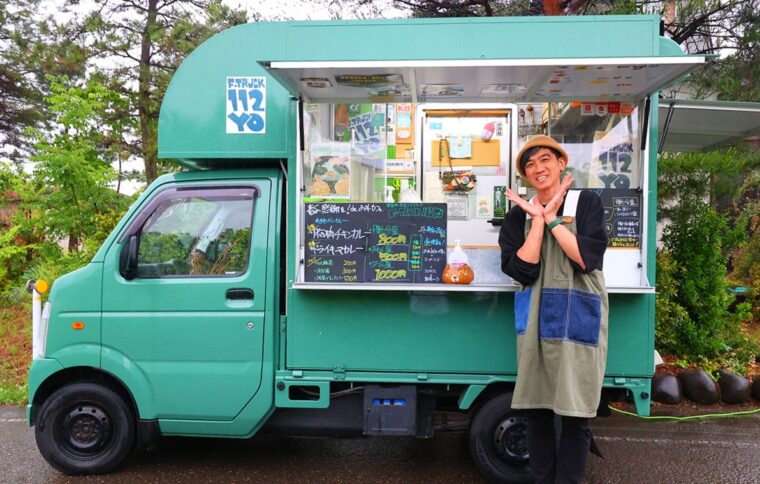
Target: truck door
x=190, y=317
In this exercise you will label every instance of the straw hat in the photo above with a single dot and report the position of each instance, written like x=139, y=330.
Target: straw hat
x=540, y=140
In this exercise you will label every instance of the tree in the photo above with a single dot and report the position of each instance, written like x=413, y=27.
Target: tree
x=735, y=77
x=700, y=26
x=490, y=8
x=70, y=184
x=68, y=194
x=19, y=99
x=137, y=46
x=695, y=311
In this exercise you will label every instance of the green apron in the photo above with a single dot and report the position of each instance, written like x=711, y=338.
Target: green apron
x=561, y=323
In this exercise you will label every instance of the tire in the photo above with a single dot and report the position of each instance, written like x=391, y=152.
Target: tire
x=85, y=428
x=498, y=442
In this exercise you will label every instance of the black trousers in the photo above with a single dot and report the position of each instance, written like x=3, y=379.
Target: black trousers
x=557, y=457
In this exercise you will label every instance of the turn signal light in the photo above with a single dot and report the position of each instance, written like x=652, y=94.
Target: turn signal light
x=42, y=286
x=77, y=325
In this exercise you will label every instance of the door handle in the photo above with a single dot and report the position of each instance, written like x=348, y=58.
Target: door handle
x=239, y=293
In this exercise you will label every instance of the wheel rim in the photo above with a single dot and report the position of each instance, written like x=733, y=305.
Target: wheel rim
x=85, y=430
x=510, y=439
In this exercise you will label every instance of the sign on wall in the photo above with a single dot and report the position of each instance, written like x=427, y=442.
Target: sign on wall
x=375, y=242
x=246, y=105
x=622, y=217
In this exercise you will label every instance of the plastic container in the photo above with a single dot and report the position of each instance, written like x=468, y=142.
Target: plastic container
x=458, y=270
x=407, y=194
x=389, y=195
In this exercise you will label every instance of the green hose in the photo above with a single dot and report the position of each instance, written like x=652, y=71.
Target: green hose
x=690, y=417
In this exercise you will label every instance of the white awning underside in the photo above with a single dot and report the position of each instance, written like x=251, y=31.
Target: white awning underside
x=482, y=80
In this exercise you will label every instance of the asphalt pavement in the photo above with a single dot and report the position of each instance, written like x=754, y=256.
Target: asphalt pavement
x=725, y=450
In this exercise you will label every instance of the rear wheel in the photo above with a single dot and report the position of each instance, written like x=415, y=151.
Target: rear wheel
x=85, y=428
x=498, y=442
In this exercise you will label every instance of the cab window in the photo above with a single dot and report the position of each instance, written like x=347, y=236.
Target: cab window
x=198, y=234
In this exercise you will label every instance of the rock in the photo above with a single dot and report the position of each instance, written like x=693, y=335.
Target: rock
x=699, y=387
x=733, y=388
x=756, y=388
x=666, y=389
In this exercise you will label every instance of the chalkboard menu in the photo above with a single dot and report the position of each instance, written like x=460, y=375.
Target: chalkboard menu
x=622, y=216
x=375, y=242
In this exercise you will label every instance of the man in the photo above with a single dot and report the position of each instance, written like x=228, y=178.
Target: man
x=554, y=246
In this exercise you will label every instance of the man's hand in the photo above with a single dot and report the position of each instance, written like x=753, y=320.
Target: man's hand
x=550, y=210
x=535, y=211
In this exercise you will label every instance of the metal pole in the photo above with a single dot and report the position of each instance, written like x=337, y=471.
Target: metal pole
x=666, y=127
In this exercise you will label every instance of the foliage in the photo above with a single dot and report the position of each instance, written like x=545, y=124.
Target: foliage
x=699, y=26
x=175, y=253
x=19, y=96
x=503, y=8
x=15, y=352
x=230, y=252
x=11, y=394
x=73, y=170
x=688, y=180
x=696, y=315
x=19, y=241
x=671, y=319
x=732, y=27
x=129, y=46
x=746, y=262
x=68, y=195
x=146, y=42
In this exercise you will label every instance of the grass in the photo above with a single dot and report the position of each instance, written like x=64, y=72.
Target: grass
x=753, y=330
x=15, y=353
x=11, y=394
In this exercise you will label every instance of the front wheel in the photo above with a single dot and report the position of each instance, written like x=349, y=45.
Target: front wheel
x=85, y=428
x=498, y=441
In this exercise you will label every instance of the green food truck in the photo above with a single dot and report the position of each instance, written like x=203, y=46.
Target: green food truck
x=291, y=281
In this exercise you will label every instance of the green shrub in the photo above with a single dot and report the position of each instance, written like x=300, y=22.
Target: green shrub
x=746, y=262
x=672, y=321
x=697, y=318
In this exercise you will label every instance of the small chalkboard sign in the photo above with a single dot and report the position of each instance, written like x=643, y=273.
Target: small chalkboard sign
x=375, y=242
x=622, y=216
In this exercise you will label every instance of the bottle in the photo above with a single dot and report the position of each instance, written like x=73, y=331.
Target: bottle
x=389, y=195
x=458, y=270
x=408, y=194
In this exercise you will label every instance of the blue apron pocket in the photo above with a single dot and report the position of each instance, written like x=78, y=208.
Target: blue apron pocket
x=553, y=313
x=522, y=310
x=585, y=317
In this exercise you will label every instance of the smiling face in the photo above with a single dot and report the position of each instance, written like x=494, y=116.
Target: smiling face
x=543, y=169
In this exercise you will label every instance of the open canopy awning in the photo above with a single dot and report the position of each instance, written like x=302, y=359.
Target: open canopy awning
x=482, y=80
x=706, y=125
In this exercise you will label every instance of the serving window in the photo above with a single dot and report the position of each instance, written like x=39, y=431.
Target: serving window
x=389, y=188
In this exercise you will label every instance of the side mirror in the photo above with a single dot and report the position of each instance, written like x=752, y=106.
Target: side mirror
x=128, y=260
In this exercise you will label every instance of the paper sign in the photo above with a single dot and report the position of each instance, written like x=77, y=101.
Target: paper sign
x=330, y=170
x=442, y=90
x=317, y=82
x=370, y=81
x=485, y=207
x=499, y=201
